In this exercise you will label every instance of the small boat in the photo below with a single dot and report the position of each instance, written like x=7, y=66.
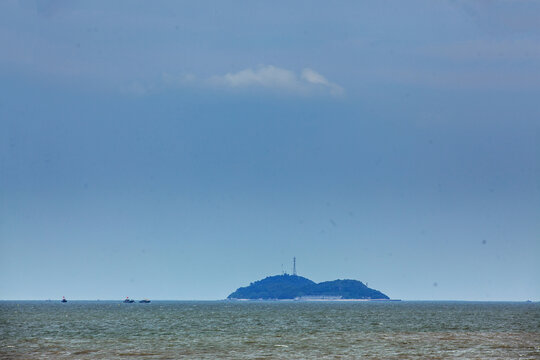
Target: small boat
x=64, y=299
x=128, y=300
x=145, y=301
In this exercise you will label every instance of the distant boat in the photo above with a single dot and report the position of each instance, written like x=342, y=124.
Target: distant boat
x=128, y=300
x=145, y=301
x=64, y=299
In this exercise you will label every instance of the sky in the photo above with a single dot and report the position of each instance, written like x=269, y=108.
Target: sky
x=180, y=149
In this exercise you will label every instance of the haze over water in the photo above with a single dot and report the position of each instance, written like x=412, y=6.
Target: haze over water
x=181, y=149
x=260, y=330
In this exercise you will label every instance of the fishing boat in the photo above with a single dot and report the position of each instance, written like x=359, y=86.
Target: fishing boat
x=128, y=300
x=64, y=299
x=145, y=301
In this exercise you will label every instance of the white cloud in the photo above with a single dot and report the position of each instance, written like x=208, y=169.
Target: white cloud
x=267, y=76
x=314, y=77
x=272, y=77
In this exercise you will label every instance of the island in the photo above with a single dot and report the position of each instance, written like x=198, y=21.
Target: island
x=295, y=287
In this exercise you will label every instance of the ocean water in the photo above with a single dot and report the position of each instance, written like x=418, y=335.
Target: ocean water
x=269, y=330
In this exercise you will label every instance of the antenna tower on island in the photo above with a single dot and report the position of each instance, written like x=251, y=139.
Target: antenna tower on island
x=294, y=266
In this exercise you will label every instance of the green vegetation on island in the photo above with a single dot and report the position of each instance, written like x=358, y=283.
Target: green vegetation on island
x=281, y=287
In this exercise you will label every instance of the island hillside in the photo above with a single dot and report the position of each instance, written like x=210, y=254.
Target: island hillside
x=286, y=286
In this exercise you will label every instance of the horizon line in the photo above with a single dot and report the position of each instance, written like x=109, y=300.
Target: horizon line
x=280, y=300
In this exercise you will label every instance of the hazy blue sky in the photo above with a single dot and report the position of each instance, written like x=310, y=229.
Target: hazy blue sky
x=179, y=150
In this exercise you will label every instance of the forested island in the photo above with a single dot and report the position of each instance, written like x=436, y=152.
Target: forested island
x=290, y=287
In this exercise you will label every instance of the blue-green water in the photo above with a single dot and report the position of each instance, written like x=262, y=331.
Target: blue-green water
x=259, y=330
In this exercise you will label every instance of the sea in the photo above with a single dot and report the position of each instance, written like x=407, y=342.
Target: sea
x=269, y=330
